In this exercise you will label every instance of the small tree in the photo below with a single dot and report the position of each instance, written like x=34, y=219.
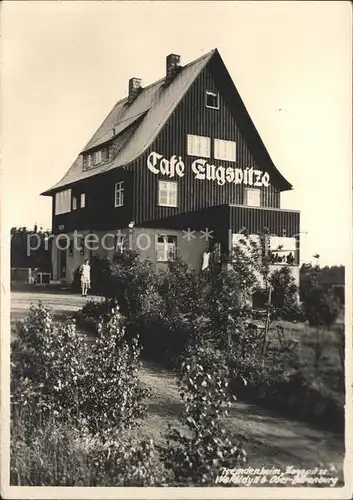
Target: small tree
x=47, y=368
x=197, y=456
x=284, y=295
x=322, y=310
x=113, y=398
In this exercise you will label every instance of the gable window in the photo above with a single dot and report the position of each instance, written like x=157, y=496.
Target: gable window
x=168, y=194
x=90, y=160
x=252, y=197
x=83, y=200
x=199, y=145
x=119, y=194
x=98, y=157
x=63, y=202
x=212, y=99
x=74, y=203
x=166, y=248
x=224, y=150
x=105, y=154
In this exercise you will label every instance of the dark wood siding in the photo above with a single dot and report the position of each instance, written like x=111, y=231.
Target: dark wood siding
x=99, y=212
x=192, y=117
x=255, y=220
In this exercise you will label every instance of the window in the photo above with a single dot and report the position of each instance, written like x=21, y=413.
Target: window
x=283, y=250
x=166, y=248
x=212, y=99
x=63, y=202
x=224, y=150
x=119, y=194
x=252, y=197
x=105, y=154
x=98, y=157
x=90, y=160
x=199, y=146
x=168, y=194
x=74, y=203
x=83, y=200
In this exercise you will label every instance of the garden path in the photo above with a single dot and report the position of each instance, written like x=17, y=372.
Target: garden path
x=269, y=439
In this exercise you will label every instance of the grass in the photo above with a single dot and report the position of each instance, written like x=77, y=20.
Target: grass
x=270, y=439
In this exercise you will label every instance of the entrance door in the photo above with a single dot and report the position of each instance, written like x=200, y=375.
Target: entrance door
x=62, y=263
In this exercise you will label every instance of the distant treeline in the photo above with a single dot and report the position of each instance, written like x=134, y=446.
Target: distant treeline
x=331, y=278
x=23, y=248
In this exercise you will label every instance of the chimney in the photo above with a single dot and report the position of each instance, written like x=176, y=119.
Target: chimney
x=172, y=66
x=134, y=89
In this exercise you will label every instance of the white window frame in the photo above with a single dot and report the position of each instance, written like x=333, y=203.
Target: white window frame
x=212, y=93
x=168, y=249
x=74, y=203
x=98, y=157
x=90, y=161
x=63, y=202
x=82, y=200
x=105, y=154
x=225, y=150
x=119, y=194
x=199, y=145
x=252, y=190
x=172, y=192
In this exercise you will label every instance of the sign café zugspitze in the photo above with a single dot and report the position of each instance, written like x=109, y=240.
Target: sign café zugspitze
x=202, y=170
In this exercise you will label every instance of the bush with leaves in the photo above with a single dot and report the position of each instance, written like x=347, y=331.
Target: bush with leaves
x=126, y=461
x=197, y=456
x=321, y=308
x=59, y=383
x=131, y=278
x=93, y=313
x=284, y=298
x=113, y=398
x=47, y=365
x=60, y=454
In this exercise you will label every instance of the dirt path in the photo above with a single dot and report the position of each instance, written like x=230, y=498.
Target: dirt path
x=269, y=439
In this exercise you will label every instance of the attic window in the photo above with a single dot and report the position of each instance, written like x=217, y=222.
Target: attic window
x=97, y=157
x=212, y=99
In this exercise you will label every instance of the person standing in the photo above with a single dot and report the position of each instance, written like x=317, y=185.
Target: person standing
x=85, y=278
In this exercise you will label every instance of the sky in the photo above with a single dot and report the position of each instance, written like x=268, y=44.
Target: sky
x=65, y=64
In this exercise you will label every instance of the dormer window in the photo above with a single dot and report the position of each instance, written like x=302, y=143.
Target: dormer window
x=212, y=99
x=98, y=157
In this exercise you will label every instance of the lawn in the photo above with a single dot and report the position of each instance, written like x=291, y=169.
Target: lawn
x=269, y=439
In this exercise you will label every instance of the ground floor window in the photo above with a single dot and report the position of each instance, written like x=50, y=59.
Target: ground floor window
x=166, y=248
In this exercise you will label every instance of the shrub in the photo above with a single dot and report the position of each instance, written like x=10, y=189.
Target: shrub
x=47, y=369
x=197, y=456
x=65, y=395
x=321, y=308
x=113, y=398
x=284, y=297
x=93, y=313
x=55, y=375
x=58, y=454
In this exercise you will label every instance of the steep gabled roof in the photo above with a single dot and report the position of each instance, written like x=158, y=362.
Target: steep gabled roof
x=153, y=106
x=135, y=126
